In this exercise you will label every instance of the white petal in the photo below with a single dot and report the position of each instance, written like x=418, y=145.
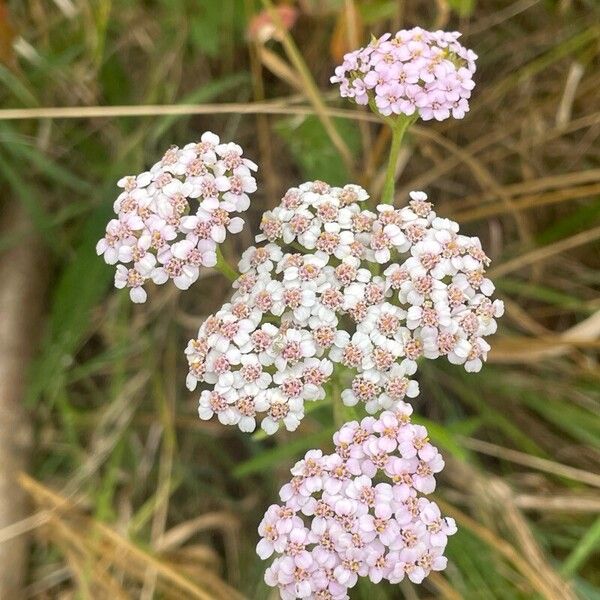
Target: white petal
x=138, y=295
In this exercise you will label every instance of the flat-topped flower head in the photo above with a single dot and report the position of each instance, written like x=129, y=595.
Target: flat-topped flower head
x=413, y=73
x=359, y=512
x=333, y=283
x=170, y=219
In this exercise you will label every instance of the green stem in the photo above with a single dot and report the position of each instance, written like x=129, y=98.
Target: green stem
x=341, y=413
x=399, y=128
x=225, y=268
x=339, y=417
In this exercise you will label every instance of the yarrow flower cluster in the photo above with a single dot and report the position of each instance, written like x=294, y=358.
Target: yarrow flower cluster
x=171, y=218
x=334, y=283
x=333, y=296
x=414, y=72
x=358, y=513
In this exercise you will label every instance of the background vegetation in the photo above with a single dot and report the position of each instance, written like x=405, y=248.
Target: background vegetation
x=131, y=495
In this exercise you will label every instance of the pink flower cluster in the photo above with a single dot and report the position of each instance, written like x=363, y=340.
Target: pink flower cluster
x=373, y=292
x=413, y=72
x=357, y=513
x=171, y=218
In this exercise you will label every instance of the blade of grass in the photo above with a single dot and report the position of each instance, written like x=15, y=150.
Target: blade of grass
x=504, y=548
x=560, y=181
x=22, y=148
x=528, y=202
x=17, y=87
x=267, y=459
x=539, y=254
x=541, y=464
x=31, y=199
x=543, y=293
x=492, y=417
x=556, y=52
x=119, y=544
x=580, y=554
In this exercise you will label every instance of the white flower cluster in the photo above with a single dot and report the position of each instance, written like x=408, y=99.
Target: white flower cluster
x=373, y=292
x=171, y=218
x=358, y=512
x=413, y=72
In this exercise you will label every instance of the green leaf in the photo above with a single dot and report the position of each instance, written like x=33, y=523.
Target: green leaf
x=312, y=149
x=79, y=288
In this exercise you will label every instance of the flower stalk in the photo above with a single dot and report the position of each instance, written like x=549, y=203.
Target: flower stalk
x=399, y=128
x=224, y=267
